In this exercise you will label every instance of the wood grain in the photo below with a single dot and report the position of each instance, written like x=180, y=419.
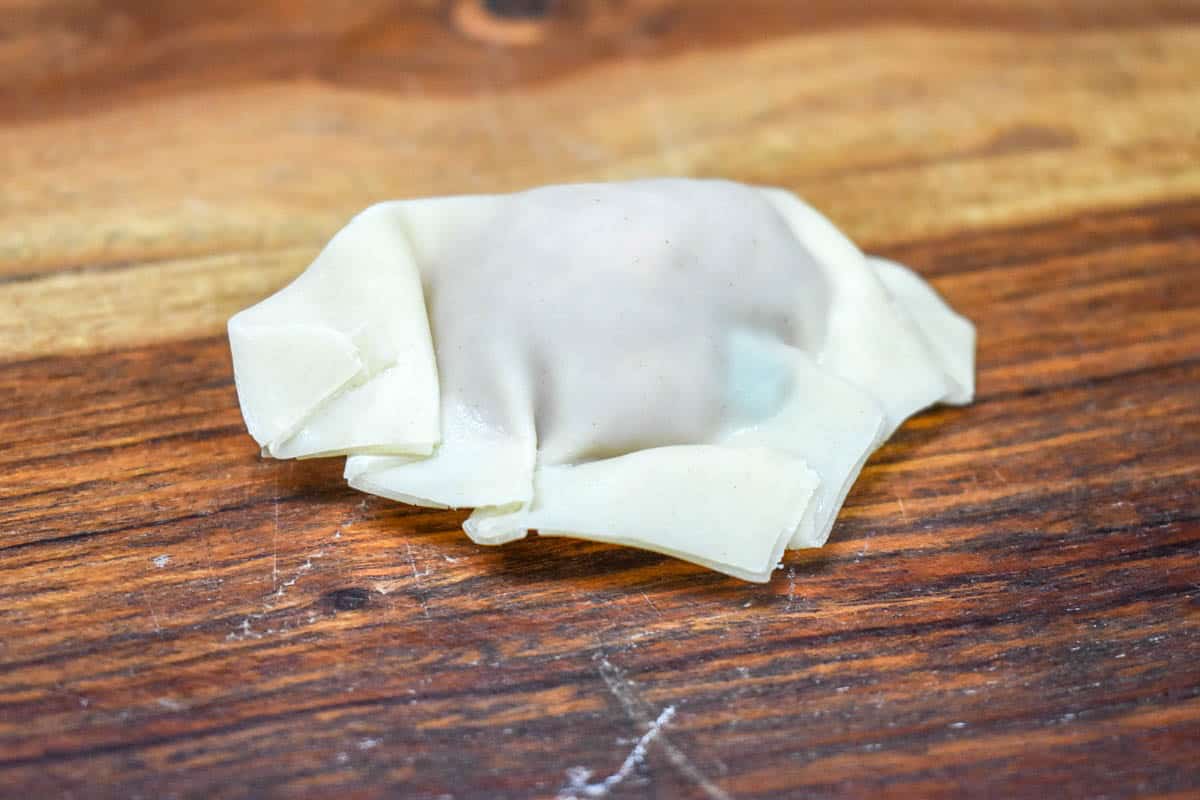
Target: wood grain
x=1008, y=606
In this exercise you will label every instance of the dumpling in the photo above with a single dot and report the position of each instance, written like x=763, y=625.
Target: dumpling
x=694, y=367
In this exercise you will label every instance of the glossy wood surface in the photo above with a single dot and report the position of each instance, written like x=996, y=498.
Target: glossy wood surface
x=1009, y=606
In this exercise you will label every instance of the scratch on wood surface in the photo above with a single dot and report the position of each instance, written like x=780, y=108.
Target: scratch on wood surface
x=791, y=594
x=209, y=560
x=577, y=777
x=638, y=710
x=412, y=562
x=154, y=617
x=303, y=568
x=651, y=603
x=243, y=631
x=275, y=536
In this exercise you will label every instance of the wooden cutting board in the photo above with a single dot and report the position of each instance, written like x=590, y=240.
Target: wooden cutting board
x=1007, y=608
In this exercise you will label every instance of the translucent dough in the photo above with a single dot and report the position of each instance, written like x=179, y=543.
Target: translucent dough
x=698, y=368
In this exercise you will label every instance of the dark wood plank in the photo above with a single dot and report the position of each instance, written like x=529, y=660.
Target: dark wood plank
x=1008, y=601
x=1009, y=605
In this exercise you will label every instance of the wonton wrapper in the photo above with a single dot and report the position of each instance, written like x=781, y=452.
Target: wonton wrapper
x=699, y=368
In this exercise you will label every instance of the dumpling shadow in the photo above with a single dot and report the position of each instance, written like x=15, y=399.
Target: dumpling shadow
x=310, y=477
x=919, y=433
x=544, y=559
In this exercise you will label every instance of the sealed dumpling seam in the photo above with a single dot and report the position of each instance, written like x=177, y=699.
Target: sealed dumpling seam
x=698, y=368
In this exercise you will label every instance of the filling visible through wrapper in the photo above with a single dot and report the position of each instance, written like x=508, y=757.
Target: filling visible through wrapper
x=698, y=368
